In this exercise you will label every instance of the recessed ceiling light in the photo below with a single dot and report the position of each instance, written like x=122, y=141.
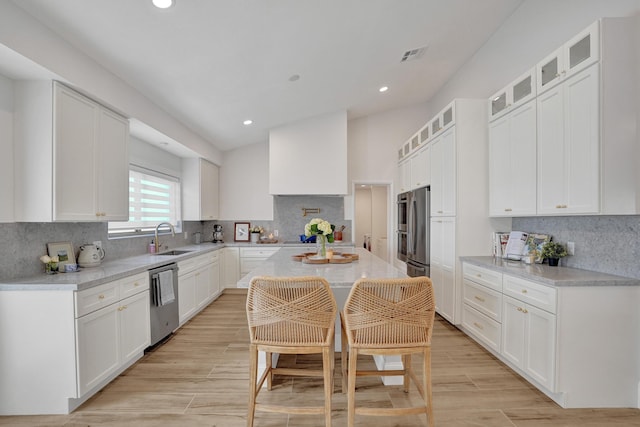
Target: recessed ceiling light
x=383, y=89
x=247, y=122
x=162, y=4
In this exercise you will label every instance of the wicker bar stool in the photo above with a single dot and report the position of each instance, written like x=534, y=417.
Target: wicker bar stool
x=388, y=317
x=290, y=315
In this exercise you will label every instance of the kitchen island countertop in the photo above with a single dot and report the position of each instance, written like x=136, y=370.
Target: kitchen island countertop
x=338, y=275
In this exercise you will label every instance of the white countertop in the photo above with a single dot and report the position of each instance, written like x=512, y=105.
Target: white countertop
x=551, y=276
x=338, y=275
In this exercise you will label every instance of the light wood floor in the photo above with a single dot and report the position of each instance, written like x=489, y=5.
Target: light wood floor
x=199, y=378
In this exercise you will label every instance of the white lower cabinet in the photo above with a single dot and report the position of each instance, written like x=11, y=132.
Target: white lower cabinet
x=528, y=340
x=198, y=284
x=443, y=264
x=110, y=337
x=575, y=343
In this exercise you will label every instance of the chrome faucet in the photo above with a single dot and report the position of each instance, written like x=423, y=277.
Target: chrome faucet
x=173, y=233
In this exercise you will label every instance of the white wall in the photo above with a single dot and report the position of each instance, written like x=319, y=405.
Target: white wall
x=244, y=184
x=6, y=150
x=534, y=30
x=25, y=35
x=373, y=142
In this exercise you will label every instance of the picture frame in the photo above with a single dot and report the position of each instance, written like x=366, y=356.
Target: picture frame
x=241, y=232
x=64, y=251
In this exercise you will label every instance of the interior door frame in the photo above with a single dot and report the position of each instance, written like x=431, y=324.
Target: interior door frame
x=391, y=215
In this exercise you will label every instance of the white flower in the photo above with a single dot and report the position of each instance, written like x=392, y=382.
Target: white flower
x=45, y=259
x=55, y=259
x=325, y=227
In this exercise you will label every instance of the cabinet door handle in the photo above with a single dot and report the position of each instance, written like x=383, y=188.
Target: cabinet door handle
x=122, y=307
x=136, y=284
x=100, y=296
x=477, y=325
x=523, y=310
x=508, y=209
x=479, y=298
x=561, y=206
x=524, y=291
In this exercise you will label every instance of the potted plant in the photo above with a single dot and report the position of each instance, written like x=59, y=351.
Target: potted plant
x=256, y=231
x=553, y=251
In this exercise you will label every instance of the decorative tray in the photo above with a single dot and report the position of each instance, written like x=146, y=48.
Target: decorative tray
x=312, y=260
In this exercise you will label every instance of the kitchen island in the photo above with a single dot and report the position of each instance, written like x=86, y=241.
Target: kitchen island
x=341, y=278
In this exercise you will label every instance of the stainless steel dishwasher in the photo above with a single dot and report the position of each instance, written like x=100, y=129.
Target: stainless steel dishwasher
x=164, y=314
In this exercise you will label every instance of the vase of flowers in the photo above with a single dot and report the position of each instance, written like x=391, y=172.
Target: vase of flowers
x=323, y=230
x=255, y=232
x=50, y=264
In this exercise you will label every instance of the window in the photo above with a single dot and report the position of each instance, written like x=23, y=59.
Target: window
x=153, y=198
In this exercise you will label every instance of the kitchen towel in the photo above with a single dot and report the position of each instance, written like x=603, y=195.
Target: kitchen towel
x=166, y=287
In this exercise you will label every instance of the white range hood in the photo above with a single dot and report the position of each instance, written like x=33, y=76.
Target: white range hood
x=309, y=157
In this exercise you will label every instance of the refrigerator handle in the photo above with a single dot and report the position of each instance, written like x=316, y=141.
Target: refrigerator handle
x=410, y=229
x=413, y=224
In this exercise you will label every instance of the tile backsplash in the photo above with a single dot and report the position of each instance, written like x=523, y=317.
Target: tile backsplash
x=24, y=243
x=608, y=244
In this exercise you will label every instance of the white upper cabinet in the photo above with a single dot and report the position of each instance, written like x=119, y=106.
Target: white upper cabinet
x=443, y=174
x=512, y=163
x=71, y=156
x=420, y=168
x=572, y=57
x=200, y=190
x=518, y=92
x=309, y=157
x=568, y=146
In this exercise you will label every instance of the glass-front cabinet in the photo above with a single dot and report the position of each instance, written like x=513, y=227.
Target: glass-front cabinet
x=516, y=93
x=575, y=55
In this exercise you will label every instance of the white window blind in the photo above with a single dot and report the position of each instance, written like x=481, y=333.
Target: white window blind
x=153, y=198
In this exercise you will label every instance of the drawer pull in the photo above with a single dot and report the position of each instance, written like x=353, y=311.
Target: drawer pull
x=136, y=284
x=479, y=298
x=524, y=291
x=477, y=325
x=123, y=307
x=478, y=275
x=508, y=209
x=523, y=310
x=100, y=296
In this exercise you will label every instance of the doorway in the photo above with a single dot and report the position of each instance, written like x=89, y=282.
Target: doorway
x=371, y=218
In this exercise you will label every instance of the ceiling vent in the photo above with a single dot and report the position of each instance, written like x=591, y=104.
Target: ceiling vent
x=413, y=54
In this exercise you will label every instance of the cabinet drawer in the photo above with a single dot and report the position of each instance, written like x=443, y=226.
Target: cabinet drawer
x=257, y=252
x=134, y=285
x=95, y=298
x=491, y=279
x=532, y=293
x=484, y=329
x=483, y=299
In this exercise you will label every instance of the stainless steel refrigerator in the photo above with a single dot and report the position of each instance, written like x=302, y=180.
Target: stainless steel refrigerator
x=418, y=235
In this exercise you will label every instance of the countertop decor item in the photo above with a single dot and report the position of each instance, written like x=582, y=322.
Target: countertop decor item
x=323, y=230
x=255, y=233
x=241, y=232
x=50, y=264
x=553, y=251
x=64, y=252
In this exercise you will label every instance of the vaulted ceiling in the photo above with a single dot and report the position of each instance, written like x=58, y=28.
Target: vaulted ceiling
x=214, y=63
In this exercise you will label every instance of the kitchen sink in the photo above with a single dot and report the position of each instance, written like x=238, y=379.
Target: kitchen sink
x=174, y=253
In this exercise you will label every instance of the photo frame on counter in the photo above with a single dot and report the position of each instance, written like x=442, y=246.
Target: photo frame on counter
x=241, y=232
x=64, y=251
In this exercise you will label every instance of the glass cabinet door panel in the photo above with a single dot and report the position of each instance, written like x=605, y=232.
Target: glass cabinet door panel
x=400, y=154
x=549, y=71
x=415, y=142
x=498, y=103
x=447, y=116
x=424, y=134
x=435, y=126
x=580, y=51
x=522, y=89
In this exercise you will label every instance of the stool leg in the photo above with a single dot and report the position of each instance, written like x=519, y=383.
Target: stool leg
x=269, y=359
x=427, y=386
x=253, y=378
x=406, y=361
x=327, y=363
x=344, y=353
x=351, y=395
